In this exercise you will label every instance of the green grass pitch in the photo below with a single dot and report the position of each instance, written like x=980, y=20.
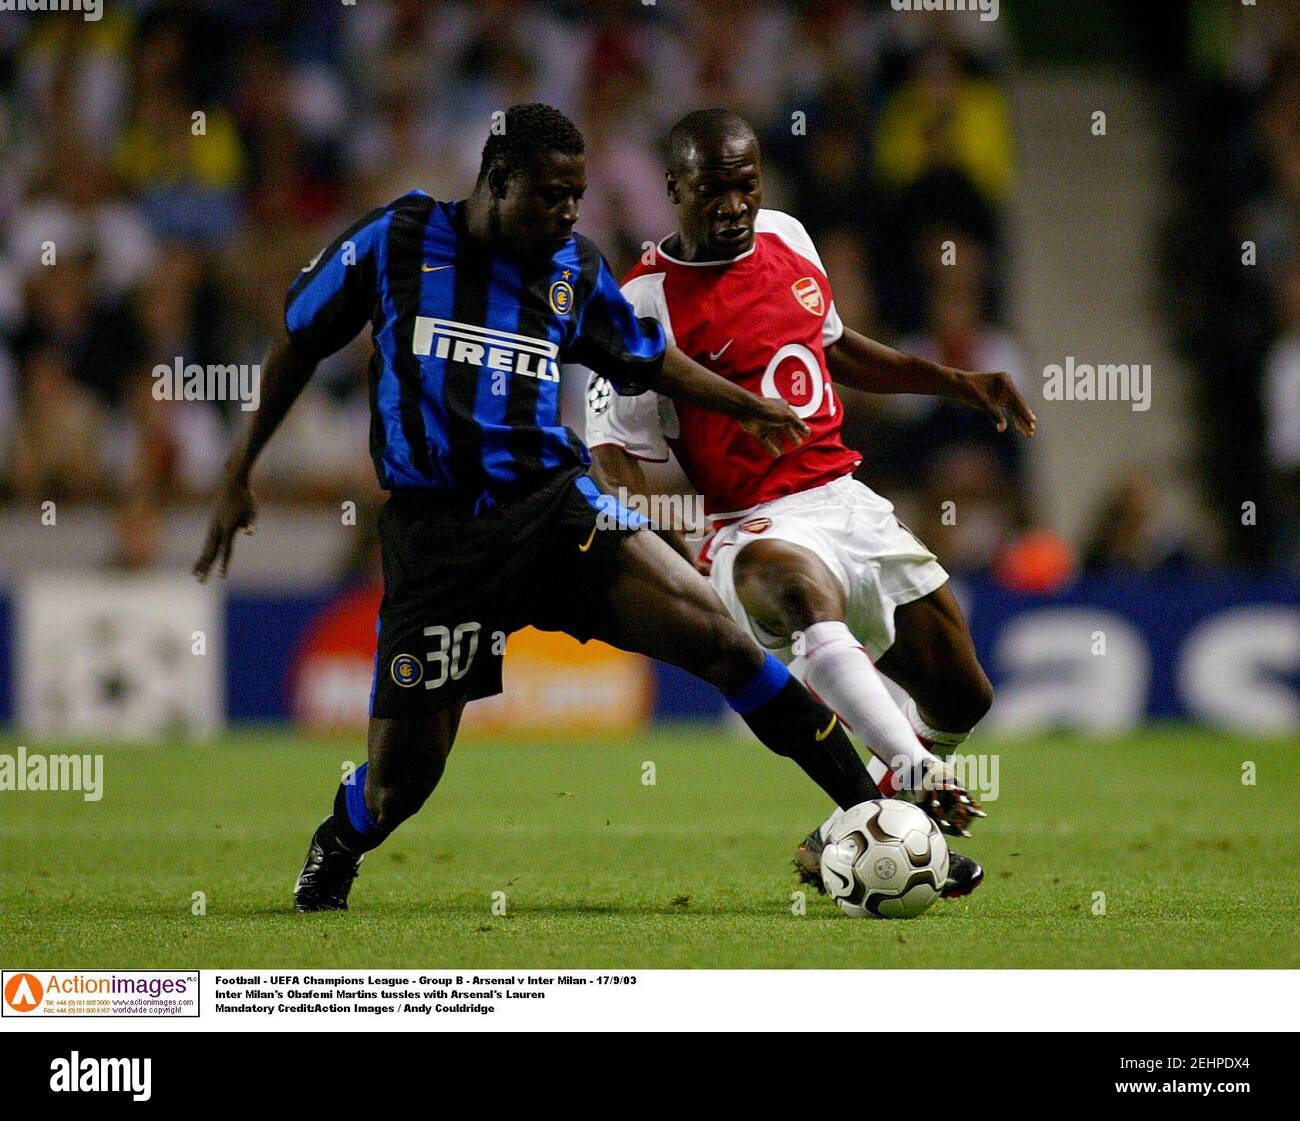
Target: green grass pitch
x=602, y=871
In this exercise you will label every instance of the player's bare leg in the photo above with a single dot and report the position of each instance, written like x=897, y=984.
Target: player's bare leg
x=788, y=590
x=659, y=605
x=933, y=658
x=405, y=760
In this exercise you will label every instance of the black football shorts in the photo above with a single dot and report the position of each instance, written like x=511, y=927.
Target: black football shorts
x=456, y=585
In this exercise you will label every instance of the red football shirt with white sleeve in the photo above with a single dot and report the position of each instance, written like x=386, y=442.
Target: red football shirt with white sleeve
x=763, y=320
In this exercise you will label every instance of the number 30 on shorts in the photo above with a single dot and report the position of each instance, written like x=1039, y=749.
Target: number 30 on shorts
x=454, y=655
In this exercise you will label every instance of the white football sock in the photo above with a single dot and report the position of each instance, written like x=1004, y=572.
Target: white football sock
x=943, y=742
x=839, y=671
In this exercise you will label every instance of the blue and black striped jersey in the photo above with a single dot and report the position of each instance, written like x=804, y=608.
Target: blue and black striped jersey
x=468, y=344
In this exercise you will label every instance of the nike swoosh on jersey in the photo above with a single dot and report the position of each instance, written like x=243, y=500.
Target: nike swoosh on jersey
x=433, y=268
x=828, y=729
x=584, y=548
x=714, y=357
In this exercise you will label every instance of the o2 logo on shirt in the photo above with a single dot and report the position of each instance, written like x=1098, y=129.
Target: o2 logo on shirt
x=560, y=297
x=803, y=386
x=809, y=294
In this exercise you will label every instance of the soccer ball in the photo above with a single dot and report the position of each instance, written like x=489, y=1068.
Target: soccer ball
x=599, y=394
x=884, y=860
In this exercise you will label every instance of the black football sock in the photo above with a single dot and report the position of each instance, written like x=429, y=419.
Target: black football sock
x=351, y=828
x=788, y=720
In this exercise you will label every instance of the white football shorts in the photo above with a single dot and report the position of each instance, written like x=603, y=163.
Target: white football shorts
x=879, y=563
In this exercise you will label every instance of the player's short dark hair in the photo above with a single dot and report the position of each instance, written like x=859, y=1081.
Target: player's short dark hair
x=705, y=129
x=531, y=131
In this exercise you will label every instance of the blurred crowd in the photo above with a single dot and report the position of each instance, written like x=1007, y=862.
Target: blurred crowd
x=170, y=168
x=1232, y=264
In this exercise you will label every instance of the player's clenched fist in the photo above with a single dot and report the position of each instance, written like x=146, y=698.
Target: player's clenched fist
x=235, y=511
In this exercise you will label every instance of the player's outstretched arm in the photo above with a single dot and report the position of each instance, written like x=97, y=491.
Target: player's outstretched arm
x=284, y=373
x=614, y=470
x=769, y=420
x=862, y=363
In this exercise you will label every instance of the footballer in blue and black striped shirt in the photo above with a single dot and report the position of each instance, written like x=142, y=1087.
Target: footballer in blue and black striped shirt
x=493, y=522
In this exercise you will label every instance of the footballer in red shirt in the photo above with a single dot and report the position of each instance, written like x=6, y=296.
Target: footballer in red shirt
x=813, y=563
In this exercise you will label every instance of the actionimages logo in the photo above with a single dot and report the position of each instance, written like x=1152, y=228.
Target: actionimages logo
x=24, y=992
x=99, y=992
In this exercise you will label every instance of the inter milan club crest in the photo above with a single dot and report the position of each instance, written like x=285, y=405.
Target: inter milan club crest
x=406, y=670
x=807, y=291
x=561, y=297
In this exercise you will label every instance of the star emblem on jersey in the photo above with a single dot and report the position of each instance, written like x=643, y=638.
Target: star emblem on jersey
x=560, y=297
x=599, y=395
x=809, y=294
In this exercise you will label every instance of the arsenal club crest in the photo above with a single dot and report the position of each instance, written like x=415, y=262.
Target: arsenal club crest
x=808, y=292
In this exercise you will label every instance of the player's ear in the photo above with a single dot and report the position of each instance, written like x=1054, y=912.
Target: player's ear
x=674, y=192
